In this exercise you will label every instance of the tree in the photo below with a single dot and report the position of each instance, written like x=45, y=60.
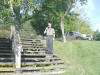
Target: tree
x=23, y=10
x=54, y=11
x=96, y=35
x=5, y=14
x=41, y=12
x=18, y=11
x=68, y=6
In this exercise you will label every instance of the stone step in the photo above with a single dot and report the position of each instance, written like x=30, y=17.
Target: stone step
x=6, y=69
x=5, y=48
x=4, y=43
x=8, y=50
x=6, y=60
x=11, y=58
x=33, y=55
x=39, y=60
x=46, y=63
x=32, y=45
x=43, y=68
x=37, y=48
x=7, y=63
x=43, y=59
x=5, y=51
x=33, y=52
x=37, y=55
x=31, y=40
x=55, y=72
x=26, y=48
x=6, y=54
x=2, y=40
x=32, y=49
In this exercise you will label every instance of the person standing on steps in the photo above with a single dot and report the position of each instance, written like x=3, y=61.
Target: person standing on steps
x=50, y=36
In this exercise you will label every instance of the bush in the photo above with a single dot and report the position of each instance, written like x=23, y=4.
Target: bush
x=97, y=35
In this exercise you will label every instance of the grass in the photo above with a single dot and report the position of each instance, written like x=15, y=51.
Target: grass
x=80, y=57
x=4, y=33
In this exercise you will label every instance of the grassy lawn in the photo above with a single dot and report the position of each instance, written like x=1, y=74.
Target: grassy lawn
x=81, y=57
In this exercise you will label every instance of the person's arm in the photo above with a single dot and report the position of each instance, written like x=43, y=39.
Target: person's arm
x=53, y=34
x=45, y=30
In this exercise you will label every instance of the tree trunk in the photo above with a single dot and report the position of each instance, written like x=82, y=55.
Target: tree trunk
x=62, y=29
x=62, y=21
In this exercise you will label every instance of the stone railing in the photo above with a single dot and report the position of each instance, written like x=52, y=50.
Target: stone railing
x=16, y=47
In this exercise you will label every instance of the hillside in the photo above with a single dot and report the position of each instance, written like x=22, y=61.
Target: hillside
x=81, y=57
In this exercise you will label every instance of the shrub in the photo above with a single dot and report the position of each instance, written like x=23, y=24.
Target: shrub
x=97, y=35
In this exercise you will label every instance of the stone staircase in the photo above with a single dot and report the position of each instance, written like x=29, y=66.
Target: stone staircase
x=6, y=56
x=35, y=60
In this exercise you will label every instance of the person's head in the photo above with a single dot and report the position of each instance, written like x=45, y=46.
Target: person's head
x=49, y=25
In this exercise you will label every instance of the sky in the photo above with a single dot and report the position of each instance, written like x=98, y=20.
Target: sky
x=93, y=12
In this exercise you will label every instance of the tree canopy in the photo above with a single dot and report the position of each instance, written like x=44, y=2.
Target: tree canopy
x=40, y=12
